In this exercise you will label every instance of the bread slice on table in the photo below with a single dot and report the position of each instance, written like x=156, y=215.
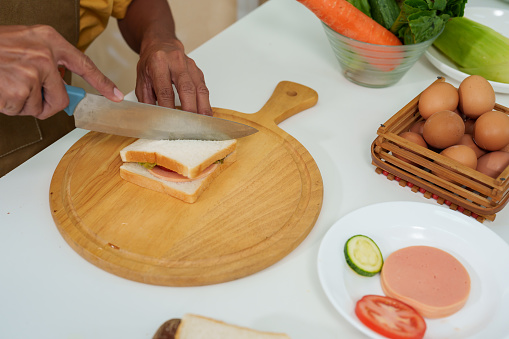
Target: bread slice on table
x=198, y=327
x=197, y=162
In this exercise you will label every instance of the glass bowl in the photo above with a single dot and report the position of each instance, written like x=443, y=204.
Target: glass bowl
x=373, y=65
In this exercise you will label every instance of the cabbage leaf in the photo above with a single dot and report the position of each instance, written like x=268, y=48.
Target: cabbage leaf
x=475, y=49
x=362, y=5
x=420, y=20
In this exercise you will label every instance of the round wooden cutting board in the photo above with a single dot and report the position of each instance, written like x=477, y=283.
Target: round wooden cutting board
x=252, y=215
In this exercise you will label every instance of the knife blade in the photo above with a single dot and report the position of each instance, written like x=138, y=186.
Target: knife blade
x=139, y=120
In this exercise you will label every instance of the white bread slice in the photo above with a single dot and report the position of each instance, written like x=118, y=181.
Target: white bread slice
x=187, y=157
x=185, y=191
x=198, y=327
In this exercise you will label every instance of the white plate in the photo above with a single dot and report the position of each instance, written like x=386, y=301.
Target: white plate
x=395, y=225
x=498, y=19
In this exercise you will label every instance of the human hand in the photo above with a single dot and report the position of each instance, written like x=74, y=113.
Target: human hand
x=29, y=60
x=164, y=64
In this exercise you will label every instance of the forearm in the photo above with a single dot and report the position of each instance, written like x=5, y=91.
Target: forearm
x=148, y=22
x=149, y=29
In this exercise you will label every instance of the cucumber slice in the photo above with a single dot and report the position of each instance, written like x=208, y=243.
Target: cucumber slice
x=363, y=255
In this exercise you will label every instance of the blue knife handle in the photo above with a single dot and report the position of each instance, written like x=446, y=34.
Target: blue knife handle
x=76, y=94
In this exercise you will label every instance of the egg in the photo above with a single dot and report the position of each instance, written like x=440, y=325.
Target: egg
x=476, y=96
x=468, y=140
x=493, y=163
x=439, y=96
x=443, y=129
x=469, y=126
x=505, y=148
x=412, y=137
x=462, y=154
x=417, y=127
x=491, y=131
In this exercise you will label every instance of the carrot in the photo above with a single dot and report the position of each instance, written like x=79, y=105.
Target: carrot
x=346, y=19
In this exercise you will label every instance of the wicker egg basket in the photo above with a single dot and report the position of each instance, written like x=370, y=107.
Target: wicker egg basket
x=435, y=176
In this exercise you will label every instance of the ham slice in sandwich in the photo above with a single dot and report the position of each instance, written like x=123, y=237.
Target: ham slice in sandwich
x=180, y=168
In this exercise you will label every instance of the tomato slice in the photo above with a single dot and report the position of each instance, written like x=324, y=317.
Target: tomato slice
x=390, y=317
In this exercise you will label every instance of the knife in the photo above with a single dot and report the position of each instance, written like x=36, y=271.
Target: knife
x=139, y=120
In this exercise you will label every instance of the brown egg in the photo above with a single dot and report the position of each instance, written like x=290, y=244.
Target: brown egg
x=443, y=129
x=439, y=96
x=468, y=140
x=469, y=126
x=415, y=138
x=476, y=96
x=462, y=154
x=457, y=111
x=491, y=130
x=417, y=127
x=493, y=163
x=505, y=148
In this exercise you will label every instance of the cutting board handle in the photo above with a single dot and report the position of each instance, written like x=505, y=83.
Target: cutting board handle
x=288, y=98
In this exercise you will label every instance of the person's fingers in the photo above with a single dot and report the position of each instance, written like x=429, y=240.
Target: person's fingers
x=144, y=91
x=146, y=94
x=12, y=99
x=55, y=96
x=31, y=82
x=159, y=70
x=165, y=69
x=13, y=107
x=201, y=89
x=186, y=91
x=13, y=96
x=2, y=103
x=79, y=63
x=21, y=65
x=33, y=103
x=83, y=66
x=29, y=101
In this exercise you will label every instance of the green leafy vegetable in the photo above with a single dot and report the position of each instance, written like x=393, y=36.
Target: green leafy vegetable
x=148, y=165
x=362, y=5
x=420, y=20
x=385, y=12
x=476, y=49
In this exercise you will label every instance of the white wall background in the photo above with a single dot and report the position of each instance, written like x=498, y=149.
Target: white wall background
x=196, y=22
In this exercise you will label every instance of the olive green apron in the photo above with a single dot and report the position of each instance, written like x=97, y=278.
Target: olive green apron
x=23, y=137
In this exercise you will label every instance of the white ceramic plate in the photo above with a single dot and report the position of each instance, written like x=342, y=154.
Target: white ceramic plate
x=395, y=225
x=498, y=19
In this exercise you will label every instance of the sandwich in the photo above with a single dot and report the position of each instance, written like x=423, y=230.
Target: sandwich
x=193, y=326
x=182, y=169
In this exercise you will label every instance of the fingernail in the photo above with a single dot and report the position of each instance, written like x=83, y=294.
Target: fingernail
x=118, y=94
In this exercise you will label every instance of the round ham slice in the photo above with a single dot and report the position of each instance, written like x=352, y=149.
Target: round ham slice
x=431, y=280
x=169, y=175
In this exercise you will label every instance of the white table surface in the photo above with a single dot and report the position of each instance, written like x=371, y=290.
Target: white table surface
x=48, y=291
